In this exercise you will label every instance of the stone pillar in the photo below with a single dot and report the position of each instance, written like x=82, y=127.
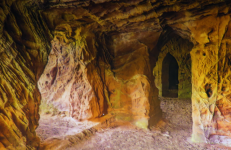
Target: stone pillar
x=207, y=32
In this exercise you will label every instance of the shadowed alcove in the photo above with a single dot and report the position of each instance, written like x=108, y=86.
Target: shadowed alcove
x=172, y=69
x=170, y=76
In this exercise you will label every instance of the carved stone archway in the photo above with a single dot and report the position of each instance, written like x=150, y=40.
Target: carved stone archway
x=170, y=76
x=179, y=48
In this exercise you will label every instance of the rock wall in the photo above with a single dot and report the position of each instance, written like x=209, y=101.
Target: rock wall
x=71, y=81
x=206, y=55
x=180, y=50
x=117, y=69
x=72, y=84
x=205, y=73
x=133, y=95
x=23, y=53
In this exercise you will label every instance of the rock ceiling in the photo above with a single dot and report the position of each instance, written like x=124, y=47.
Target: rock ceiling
x=130, y=15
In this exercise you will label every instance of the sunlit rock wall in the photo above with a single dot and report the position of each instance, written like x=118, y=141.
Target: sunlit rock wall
x=23, y=54
x=71, y=74
x=180, y=49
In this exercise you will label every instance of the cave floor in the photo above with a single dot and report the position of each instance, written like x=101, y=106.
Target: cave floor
x=171, y=133
x=59, y=127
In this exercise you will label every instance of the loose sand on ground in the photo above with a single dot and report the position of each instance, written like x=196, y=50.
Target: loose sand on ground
x=172, y=132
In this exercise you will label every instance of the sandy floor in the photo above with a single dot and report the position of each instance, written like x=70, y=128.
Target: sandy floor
x=56, y=126
x=172, y=133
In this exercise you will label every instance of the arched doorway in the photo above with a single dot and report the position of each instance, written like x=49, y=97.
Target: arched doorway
x=169, y=76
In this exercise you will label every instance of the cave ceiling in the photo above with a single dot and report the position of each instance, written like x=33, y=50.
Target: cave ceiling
x=119, y=16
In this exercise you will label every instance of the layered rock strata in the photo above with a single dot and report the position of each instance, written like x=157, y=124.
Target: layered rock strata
x=23, y=55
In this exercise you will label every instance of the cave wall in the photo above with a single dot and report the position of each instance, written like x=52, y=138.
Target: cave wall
x=208, y=119
x=133, y=95
x=222, y=108
x=122, y=78
x=71, y=81
x=75, y=82
x=23, y=53
x=180, y=49
x=206, y=81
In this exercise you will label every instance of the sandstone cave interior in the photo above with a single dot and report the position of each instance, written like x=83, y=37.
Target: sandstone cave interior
x=115, y=74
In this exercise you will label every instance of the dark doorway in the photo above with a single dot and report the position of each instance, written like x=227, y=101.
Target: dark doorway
x=170, y=77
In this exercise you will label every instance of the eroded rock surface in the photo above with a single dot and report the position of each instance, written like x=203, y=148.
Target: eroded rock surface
x=67, y=81
x=23, y=54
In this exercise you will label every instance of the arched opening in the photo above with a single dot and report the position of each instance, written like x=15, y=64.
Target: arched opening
x=170, y=76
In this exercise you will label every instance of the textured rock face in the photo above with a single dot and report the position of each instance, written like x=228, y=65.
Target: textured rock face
x=133, y=95
x=102, y=58
x=19, y=100
x=72, y=83
x=23, y=52
x=206, y=74
x=70, y=76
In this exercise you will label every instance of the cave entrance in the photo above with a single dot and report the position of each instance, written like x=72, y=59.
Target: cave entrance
x=170, y=76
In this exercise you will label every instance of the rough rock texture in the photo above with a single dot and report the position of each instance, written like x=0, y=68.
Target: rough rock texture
x=23, y=54
x=132, y=93
x=70, y=77
x=110, y=49
x=207, y=97
x=180, y=50
x=71, y=81
x=135, y=32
